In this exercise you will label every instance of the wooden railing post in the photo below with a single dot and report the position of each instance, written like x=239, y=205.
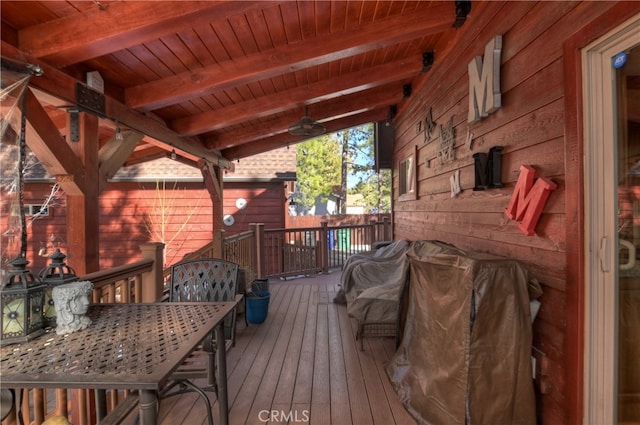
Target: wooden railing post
x=258, y=249
x=386, y=225
x=152, y=282
x=218, y=243
x=323, y=246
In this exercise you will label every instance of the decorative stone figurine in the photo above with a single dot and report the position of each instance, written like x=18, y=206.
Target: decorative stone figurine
x=71, y=301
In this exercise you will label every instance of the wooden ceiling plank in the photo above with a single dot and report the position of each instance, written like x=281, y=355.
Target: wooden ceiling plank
x=63, y=86
x=51, y=149
x=159, y=93
x=244, y=32
x=343, y=106
x=291, y=99
x=244, y=151
x=121, y=25
x=275, y=26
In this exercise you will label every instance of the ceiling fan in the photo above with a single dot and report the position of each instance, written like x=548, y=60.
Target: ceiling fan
x=306, y=126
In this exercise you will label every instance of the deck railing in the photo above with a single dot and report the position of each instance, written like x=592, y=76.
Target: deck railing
x=260, y=252
x=290, y=252
x=132, y=283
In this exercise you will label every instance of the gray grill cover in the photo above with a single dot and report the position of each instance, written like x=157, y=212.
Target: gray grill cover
x=465, y=355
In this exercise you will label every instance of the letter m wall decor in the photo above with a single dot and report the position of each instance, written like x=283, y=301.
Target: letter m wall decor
x=528, y=199
x=484, y=82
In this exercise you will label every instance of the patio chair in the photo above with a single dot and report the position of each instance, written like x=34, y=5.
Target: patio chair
x=205, y=279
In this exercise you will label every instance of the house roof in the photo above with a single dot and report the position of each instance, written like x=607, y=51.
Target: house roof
x=279, y=164
x=276, y=165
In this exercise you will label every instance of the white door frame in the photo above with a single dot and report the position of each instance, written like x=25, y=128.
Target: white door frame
x=601, y=236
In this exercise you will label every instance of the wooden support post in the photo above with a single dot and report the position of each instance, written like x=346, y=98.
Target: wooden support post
x=84, y=210
x=218, y=243
x=152, y=282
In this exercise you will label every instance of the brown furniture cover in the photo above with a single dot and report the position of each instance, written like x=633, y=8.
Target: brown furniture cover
x=465, y=355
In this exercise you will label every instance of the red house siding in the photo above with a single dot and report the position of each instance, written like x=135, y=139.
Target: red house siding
x=131, y=214
x=181, y=216
x=531, y=125
x=266, y=203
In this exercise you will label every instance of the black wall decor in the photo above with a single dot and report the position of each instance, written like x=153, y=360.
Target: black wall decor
x=488, y=169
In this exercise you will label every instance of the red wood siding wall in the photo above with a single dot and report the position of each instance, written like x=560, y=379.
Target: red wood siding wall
x=126, y=207
x=266, y=203
x=531, y=127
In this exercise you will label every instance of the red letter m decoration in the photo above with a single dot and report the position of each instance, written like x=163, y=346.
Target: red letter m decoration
x=528, y=199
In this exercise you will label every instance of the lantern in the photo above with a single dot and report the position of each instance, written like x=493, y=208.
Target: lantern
x=51, y=276
x=21, y=299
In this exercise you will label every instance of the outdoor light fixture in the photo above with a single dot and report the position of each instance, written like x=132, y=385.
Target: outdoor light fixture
x=21, y=302
x=307, y=127
x=56, y=273
x=173, y=154
x=119, y=134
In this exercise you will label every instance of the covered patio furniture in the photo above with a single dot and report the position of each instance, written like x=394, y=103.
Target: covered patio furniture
x=371, y=285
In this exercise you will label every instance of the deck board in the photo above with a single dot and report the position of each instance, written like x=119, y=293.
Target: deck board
x=302, y=365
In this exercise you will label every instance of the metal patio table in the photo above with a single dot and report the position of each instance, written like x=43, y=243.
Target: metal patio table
x=127, y=346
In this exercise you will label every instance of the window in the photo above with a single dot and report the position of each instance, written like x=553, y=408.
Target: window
x=407, y=170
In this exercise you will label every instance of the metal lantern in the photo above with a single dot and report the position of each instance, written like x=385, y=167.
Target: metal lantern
x=56, y=273
x=21, y=299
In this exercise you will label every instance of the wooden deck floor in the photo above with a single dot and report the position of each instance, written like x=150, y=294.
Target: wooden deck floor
x=302, y=365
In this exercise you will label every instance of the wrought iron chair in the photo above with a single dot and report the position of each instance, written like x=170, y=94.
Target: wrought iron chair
x=205, y=279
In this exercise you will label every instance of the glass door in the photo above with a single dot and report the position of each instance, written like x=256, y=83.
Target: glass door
x=611, y=95
x=627, y=118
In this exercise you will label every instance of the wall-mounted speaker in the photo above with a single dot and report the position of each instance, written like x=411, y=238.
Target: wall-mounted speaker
x=384, y=135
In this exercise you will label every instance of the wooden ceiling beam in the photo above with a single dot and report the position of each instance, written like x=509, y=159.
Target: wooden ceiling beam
x=114, y=153
x=315, y=92
x=63, y=86
x=119, y=25
x=284, y=139
x=326, y=112
x=144, y=155
x=291, y=57
x=51, y=149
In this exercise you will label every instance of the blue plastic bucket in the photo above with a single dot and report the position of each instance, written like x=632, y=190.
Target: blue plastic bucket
x=257, y=306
